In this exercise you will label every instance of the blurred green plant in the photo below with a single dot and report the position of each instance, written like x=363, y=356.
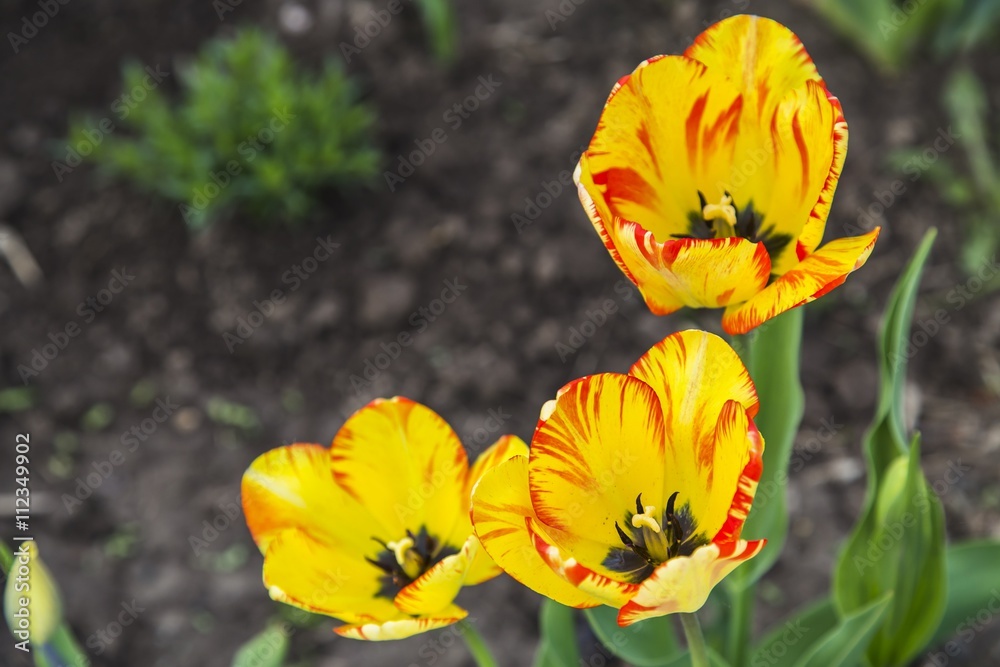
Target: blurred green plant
x=439, y=20
x=889, y=32
x=250, y=131
x=970, y=185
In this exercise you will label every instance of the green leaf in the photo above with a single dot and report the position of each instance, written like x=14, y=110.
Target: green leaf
x=968, y=24
x=858, y=21
x=684, y=660
x=649, y=643
x=844, y=646
x=973, y=585
x=885, y=439
x=898, y=544
x=787, y=643
x=558, y=647
x=772, y=357
x=267, y=649
x=439, y=20
x=883, y=29
x=967, y=105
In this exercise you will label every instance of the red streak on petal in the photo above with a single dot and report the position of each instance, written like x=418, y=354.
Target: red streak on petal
x=800, y=141
x=692, y=127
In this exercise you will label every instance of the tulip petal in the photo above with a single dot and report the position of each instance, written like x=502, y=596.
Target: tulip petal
x=807, y=145
x=436, y=588
x=401, y=628
x=597, y=448
x=481, y=566
x=609, y=591
x=696, y=376
x=770, y=60
x=813, y=277
x=654, y=148
x=405, y=464
x=306, y=573
x=506, y=447
x=501, y=507
x=682, y=585
x=293, y=487
x=701, y=360
x=812, y=233
x=735, y=431
x=701, y=273
x=795, y=138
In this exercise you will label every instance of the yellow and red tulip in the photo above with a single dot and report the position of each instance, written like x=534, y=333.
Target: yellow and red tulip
x=710, y=176
x=375, y=529
x=636, y=487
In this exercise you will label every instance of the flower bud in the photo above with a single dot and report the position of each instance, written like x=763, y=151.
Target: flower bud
x=31, y=601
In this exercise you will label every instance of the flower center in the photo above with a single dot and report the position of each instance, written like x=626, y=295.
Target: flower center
x=651, y=537
x=724, y=210
x=656, y=537
x=726, y=219
x=407, y=558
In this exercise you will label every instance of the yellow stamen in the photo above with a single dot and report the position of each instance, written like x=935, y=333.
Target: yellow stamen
x=724, y=210
x=646, y=519
x=400, y=548
x=407, y=558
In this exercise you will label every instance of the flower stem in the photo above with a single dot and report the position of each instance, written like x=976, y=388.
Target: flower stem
x=695, y=640
x=477, y=647
x=68, y=648
x=739, y=624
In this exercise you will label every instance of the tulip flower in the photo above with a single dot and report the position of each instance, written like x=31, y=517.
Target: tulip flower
x=375, y=529
x=710, y=176
x=636, y=487
x=31, y=598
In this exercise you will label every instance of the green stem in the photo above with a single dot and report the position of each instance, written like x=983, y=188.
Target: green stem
x=695, y=640
x=67, y=648
x=477, y=647
x=742, y=598
x=739, y=624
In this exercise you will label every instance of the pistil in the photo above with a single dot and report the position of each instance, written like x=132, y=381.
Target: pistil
x=407, y=557
x=724, y=210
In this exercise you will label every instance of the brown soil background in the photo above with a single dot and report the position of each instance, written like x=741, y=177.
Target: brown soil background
x=493, y=349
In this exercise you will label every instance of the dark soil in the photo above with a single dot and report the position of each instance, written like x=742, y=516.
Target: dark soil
x=493, y=349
